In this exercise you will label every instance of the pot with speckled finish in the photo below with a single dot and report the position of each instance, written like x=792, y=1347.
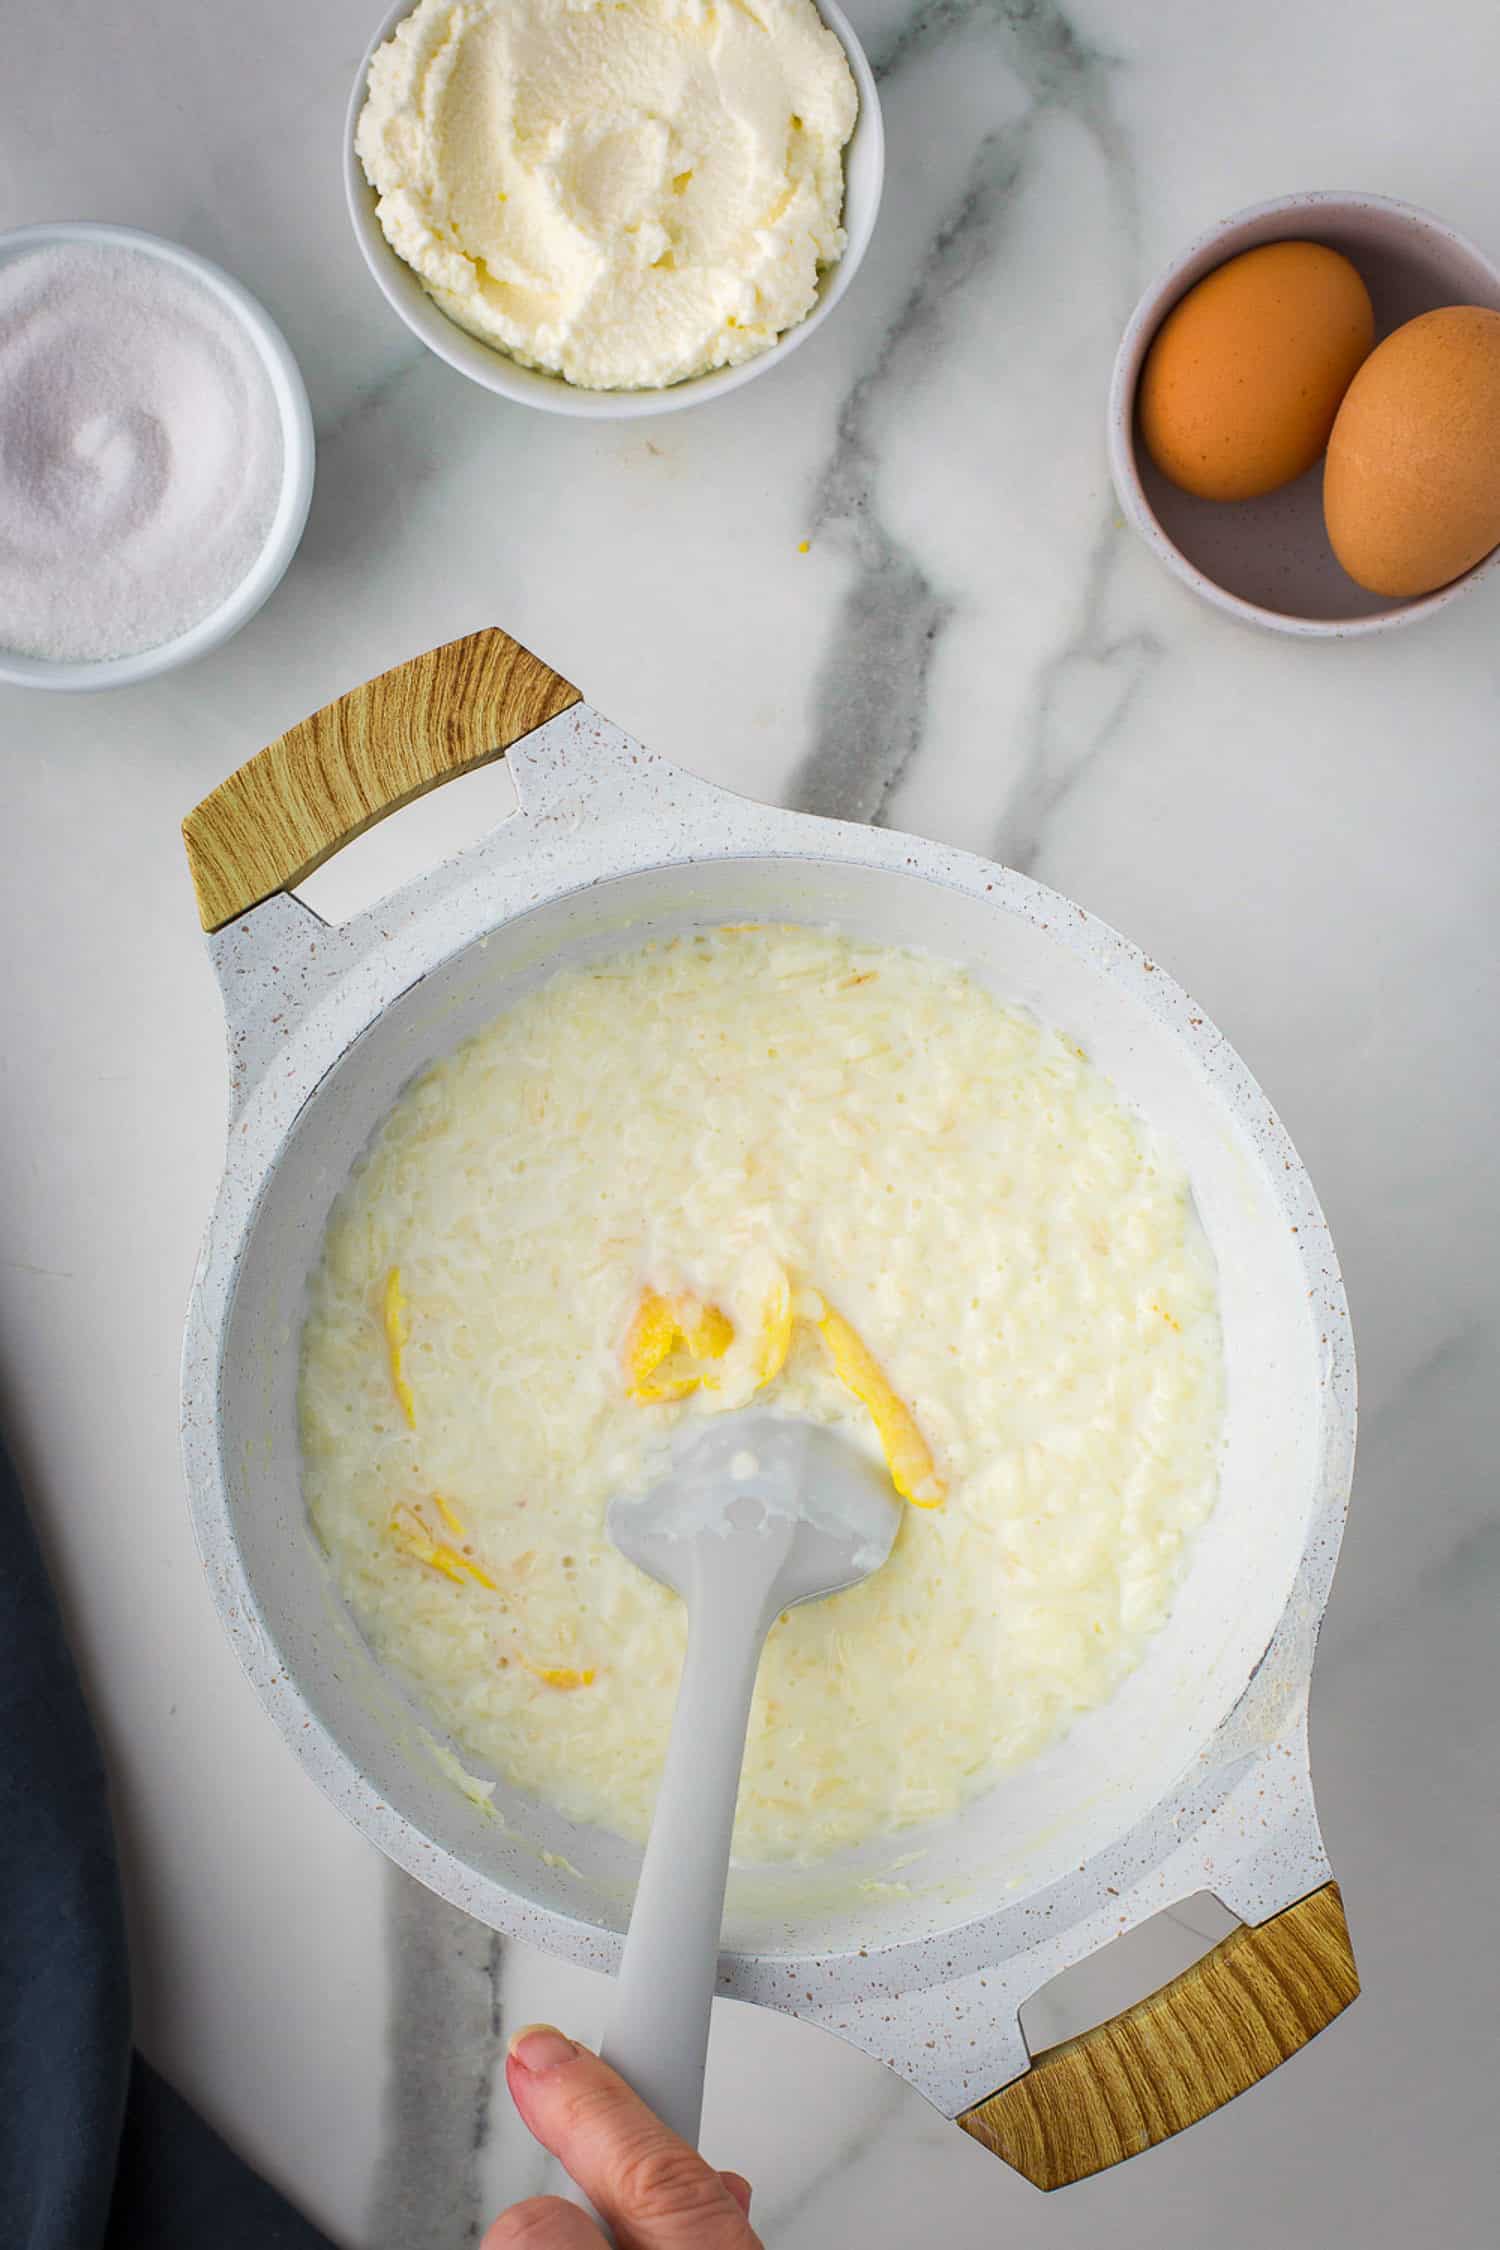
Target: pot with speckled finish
x=920, y=1947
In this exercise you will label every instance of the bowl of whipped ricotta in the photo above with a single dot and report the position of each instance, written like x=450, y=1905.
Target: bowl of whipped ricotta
x=156, y=456
x=613, y=207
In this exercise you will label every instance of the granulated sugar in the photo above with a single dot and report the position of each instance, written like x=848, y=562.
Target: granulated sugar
x=140, y=452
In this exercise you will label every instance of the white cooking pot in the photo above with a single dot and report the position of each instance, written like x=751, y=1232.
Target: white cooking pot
x=1194, y=1776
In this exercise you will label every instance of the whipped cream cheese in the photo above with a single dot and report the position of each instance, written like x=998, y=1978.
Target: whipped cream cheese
x=624, y=192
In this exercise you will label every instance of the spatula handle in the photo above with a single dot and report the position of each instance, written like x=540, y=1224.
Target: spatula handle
x=658, y=2035
x=330, y=777
x=1178, y=2055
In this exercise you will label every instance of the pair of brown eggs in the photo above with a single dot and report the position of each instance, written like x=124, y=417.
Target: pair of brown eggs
x=1270, y=363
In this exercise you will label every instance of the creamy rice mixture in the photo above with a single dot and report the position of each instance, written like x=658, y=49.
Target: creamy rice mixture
x=619, y=1205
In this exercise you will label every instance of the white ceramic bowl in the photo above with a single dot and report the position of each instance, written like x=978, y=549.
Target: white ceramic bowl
x=864, y=175
x=287, y=524
x=1268, y=561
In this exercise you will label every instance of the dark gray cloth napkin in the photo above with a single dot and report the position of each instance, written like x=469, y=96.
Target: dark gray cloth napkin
x=96, y=2151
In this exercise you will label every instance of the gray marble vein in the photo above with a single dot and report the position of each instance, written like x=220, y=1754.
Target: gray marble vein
x=443, y=2046
x=1047, y=50
x=872, y=689
x=1082, y=697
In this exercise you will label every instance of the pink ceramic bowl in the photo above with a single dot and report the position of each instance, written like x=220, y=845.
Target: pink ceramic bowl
x=1268, y=561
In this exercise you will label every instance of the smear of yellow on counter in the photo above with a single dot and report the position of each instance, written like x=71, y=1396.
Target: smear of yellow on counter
x=665, y=1333
x=397, y=1333
x=414, y=1538
x=913, y=1472
x=804, y=546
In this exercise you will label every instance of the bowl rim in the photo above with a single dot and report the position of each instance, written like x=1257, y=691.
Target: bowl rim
x=548, y=393
x=298, y=449
x=1156, y=301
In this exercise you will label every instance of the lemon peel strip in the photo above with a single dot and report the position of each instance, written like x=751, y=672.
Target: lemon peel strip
x=412, y=1536
x=913, y=1471
x=559, y=1675
x=775, y=1338
x=664, y=1328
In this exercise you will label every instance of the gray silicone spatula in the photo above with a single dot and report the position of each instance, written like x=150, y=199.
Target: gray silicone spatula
x=752, y=1514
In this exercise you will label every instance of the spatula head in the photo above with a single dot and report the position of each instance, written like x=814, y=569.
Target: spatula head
x=791, y=1500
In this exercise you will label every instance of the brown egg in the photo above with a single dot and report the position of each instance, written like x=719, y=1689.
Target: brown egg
x=1245, y=374
x=1411, y=486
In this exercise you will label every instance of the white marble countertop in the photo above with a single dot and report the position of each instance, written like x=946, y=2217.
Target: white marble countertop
x=971, y=648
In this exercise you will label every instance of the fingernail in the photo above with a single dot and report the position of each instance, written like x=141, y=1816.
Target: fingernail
x=540, y=2046
x=740, y=2188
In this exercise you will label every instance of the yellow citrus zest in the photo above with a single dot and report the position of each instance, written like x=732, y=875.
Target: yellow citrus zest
x=913, y=1471
x=775, y=1338
x=559, y=1675
x=707, y=1331
x=450, y=1516
x=414, y=1538
x=670, y=1340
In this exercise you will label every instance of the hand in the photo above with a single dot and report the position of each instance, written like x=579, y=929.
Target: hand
x=655, y=2191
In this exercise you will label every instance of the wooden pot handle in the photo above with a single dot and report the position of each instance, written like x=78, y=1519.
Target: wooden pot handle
x=294, y=803
x=1176, y=2056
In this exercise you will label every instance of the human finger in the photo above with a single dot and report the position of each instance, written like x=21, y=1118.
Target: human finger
x=543, y=2222
x=653, y=2189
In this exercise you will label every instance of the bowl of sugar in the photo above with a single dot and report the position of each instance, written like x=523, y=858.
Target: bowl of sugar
x=156, y=456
